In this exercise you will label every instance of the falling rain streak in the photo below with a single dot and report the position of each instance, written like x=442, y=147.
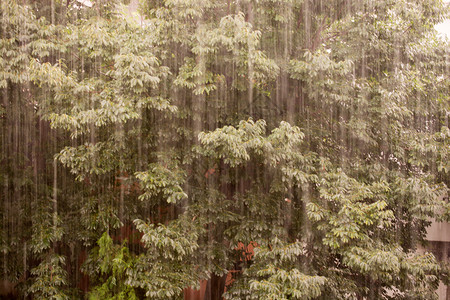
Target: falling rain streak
x=220, y=149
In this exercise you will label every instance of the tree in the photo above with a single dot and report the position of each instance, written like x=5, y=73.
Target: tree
x=317, y=132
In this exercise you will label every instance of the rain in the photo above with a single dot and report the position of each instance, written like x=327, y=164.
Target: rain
x=224, y=149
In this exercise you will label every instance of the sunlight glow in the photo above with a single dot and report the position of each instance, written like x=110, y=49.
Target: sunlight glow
x=444, y=27
x=85, y=2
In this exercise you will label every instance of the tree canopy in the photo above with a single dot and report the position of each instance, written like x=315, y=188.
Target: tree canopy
x=275, y=149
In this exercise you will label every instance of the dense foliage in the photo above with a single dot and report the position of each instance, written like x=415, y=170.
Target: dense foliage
x=146, y=151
